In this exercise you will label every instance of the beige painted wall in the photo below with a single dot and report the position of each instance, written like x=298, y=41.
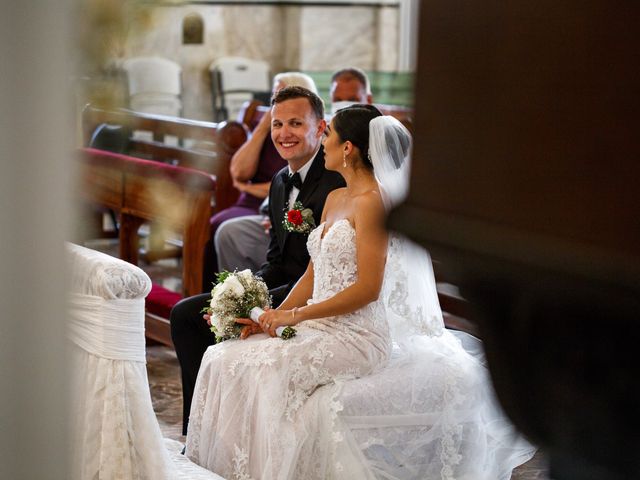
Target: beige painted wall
x=288, y=38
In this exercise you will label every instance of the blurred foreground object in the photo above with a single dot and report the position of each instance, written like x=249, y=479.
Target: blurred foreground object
x=524, y=186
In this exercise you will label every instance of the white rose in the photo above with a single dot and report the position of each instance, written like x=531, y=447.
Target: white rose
x=218, y=291
x=233, y=284
x=217, y=323
x=246, y=275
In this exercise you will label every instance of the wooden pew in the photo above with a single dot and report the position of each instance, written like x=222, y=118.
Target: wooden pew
x=404, y=114
x=141, y=190
x=210, y=148
x=213, y=143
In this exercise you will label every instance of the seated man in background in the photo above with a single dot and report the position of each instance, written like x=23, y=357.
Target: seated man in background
x=242, y=242
x=251, y=169
x=349, y=86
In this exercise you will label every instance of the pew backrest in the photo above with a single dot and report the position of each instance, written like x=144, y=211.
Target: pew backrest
x=140, y=190
x=200, y=145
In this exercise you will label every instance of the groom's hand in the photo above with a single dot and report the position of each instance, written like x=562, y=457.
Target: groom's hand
x=266, y=224
x=250, y=327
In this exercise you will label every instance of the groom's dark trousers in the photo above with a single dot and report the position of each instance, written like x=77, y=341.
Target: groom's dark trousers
x=287, y=259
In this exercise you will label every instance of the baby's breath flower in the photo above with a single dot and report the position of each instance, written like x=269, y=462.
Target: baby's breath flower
x=299, y=219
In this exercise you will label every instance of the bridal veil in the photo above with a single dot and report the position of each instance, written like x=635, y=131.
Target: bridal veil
x=431, y=411
x=409, y=290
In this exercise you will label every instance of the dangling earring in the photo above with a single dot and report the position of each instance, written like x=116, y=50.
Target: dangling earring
x=344, y=159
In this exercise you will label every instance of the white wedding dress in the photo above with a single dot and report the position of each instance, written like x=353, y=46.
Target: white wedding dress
x=341, y=400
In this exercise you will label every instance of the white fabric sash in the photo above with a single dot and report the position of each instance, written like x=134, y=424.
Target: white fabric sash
x=112, y=329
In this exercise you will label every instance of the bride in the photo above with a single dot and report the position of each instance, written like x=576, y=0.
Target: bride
x=372, y=386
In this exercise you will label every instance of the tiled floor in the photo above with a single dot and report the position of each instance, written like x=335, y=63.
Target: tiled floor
x=166, y=390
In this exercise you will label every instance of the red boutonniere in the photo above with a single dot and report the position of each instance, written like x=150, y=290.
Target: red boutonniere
x=295, y=217
x=299, y=219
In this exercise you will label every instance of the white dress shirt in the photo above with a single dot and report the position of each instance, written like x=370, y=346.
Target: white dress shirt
x=303, y=174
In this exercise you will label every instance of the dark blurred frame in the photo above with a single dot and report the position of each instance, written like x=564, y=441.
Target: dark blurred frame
x=525, y=189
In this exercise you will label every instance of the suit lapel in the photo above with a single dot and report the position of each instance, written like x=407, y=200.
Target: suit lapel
x=313, y=175
x=280, y=205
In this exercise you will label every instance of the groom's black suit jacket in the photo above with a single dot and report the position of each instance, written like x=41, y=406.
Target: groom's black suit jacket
x=287, y=257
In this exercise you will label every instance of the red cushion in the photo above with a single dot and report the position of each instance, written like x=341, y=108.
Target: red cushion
x=160, y=301
x=194, y=179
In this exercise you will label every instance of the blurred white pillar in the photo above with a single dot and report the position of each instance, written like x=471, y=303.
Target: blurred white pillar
x=408, y=31
x=36, y=134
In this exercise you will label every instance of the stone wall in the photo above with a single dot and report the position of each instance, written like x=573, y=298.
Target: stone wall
x=288, y=38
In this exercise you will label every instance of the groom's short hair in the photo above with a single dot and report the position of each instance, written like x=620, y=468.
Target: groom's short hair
x=290, y=93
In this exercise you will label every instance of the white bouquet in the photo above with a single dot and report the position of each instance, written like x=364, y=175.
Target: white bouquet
x=235, y=295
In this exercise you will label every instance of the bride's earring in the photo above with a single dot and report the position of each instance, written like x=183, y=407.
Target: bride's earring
x=344, y=159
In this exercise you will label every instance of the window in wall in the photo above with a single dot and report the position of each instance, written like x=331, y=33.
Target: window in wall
x=192, y=29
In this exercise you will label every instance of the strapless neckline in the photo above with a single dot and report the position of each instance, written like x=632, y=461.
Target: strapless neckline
x=324, y=233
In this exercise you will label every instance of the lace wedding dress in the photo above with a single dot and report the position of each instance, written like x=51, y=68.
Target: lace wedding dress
x=339, y=400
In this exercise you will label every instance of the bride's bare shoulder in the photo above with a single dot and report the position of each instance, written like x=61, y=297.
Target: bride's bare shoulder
x=369, y=204
x=370, y=199
x=336, y=195
x=333, y=199
x=336, y=192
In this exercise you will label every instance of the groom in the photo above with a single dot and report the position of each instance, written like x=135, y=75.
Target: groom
x=297, y=127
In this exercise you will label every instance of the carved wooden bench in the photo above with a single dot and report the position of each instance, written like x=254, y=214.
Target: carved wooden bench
x=205, y=146
x=140, y=190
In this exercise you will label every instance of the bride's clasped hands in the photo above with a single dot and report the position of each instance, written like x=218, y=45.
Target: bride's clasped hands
x=271, y=319
x=268, y=322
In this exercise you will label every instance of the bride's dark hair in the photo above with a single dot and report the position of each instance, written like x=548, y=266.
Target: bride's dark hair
x=352, y=124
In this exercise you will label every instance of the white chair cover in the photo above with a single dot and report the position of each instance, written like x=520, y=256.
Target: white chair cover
x=114, y=431
x=243, y=74
x=239, y=79
x=153, y=75
x=154, y=85
x=156, y=103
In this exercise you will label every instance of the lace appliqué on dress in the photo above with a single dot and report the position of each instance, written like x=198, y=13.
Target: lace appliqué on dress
x=240, y=462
